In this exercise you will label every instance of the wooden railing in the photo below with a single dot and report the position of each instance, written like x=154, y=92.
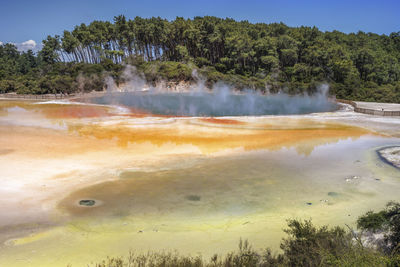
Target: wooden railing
x=46, y=96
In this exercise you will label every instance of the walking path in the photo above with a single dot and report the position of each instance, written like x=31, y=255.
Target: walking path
x=374, y=108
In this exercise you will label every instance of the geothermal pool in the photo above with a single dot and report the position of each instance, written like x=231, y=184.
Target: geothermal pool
x=173, y=181
x=221, y=102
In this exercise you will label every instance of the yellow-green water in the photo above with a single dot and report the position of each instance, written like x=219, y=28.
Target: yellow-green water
x=204, y=184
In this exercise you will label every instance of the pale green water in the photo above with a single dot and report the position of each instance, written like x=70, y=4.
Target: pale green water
x=204, y=205
x=256, y=182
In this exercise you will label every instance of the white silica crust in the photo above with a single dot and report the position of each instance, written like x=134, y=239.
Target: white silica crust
x=391, y=154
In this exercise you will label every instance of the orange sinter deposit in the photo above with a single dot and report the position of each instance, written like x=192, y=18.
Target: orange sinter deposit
x=74, y=111
x=215, y=139
x=222, y=121
x=66, y=110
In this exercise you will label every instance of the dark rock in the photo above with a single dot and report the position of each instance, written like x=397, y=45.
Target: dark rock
x=390, y=155
x=87, y=202
x=333, y=194
x=193, y=198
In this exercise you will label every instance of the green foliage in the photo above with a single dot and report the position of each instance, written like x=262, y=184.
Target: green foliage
x=153, y=259
x=201, y=61
x=7, y=86
x=308, y=245
x=393, y=217
x=174, y=71
x=358, y=66
x=372, y=221
x=49, y=52
x=388, y=221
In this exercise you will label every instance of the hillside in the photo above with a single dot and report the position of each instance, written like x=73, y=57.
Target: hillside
x=358, y=66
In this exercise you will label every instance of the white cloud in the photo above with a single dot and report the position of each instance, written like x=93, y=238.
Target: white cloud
x=27, y=45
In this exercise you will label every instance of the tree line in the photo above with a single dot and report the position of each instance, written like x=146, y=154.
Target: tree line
x=361, y=66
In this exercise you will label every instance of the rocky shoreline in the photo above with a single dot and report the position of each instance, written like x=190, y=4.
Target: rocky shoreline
x=390, y=155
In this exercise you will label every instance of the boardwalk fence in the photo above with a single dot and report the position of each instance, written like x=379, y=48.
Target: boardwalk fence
x=368, y=110
x=46, y=96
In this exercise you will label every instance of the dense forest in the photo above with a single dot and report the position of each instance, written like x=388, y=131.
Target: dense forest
x=274, y=57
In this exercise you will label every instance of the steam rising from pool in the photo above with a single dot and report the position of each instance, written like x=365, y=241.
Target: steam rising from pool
x=221, y=101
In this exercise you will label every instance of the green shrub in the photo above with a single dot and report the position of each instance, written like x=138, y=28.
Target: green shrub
x=388, y=221
x=372, y=221
x=201, y=62
x=7, y=86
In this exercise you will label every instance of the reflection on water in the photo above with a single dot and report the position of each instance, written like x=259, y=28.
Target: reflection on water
x=61, y=110
x=240, y=185
x=305, y=134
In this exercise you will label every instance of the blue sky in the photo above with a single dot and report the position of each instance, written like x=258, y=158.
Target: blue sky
x=23, y=20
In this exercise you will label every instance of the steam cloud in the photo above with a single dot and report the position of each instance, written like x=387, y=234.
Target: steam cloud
x=222, y=100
